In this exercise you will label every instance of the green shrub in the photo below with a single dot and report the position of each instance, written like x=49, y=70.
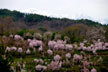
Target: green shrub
x=76, y=33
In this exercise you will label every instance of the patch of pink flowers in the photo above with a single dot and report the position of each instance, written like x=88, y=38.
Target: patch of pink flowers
x=20, y=50
x=50, y=52
x=57, y=57
x=68, y=55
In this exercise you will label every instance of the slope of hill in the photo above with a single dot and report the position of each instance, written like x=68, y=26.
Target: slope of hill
x=34, y=21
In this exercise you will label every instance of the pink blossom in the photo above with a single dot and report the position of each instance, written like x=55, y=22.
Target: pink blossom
x=17, y=37
x=51, y=44
x=77, y=57
x=56, y=47
x=93, y=70
x=59, y=46
x=75, y=45
x=40, y=48
x=39, y=43
x=91, y=45
x=29, y=40
x=89, y=48
x=69, y=47
x=28, y=51
x=34, y=42
x=55, y=65
x=82, y=44
x=41, y=61
x=36, y=60
x=38, y=67
x=44, y=68
x=84, y=48
x=106, y=44
x=94, y=51
x=57, y=57
x=60, y=41
x=8, y=49
x=20, y=50
x=86, y=70
x=99, y=40
x=14, y=48
x=86, y=64
x=11, y=36
x=104, y=48
x=31, y=44
x=11, y=48
x=49, y=52
x=68, y=55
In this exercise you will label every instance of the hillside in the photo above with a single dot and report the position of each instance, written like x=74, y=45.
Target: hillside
x=35, y=21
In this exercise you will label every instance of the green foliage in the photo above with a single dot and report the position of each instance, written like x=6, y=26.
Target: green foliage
x=28, y=36
x=5, y=59
x=53, y=35
x=5, y=12
x=89, y=22
x=35, y=18
x=62, y=37
x=42, y=29
x=22, y=32
x=31, y=31
x=105, y=64
x=56, y=23
x=87, y=44
x=25, y=32
x=75, y=33
x=75, y=69
x=4, y=64
x=17, y=15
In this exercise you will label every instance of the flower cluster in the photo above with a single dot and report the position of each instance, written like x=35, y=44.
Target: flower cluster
x=55, y=55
